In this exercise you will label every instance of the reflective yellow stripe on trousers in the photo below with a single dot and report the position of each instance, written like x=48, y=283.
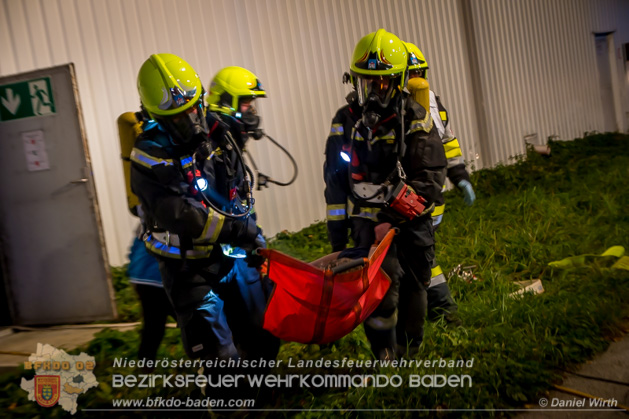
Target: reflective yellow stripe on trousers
x=436, y=276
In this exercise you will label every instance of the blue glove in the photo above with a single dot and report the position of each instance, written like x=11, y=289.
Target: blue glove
x=468, y=192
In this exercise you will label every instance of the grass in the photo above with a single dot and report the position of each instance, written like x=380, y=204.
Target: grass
x=537, y=210
x=127, y=302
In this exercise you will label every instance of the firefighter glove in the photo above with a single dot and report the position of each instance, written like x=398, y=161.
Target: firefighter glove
x=254, y=260
x=468, y=192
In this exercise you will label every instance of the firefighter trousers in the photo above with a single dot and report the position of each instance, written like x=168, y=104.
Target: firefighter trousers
x=220, y=305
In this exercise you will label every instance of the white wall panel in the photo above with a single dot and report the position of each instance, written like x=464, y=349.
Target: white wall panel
x=536, y=59
x=538, y=65
x=8, y=62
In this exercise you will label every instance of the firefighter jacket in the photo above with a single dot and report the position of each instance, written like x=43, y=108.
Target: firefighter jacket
x=456, y=171
x=180, y=223
x=373, y=155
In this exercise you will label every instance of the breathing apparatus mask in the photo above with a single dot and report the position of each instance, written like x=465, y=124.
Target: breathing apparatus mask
x=375, y=95
x=370, y=118
x=376, y=89
x=188, y=127
x=248, y=115
x=248, y=122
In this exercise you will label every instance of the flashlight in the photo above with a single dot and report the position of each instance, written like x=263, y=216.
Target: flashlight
x=201, y=184
x=233, y=252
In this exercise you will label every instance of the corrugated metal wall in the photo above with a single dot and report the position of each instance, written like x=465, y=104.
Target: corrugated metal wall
x=539, y=75
x=300, y=49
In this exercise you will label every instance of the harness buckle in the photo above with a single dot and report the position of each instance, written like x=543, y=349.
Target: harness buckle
x=400, y=171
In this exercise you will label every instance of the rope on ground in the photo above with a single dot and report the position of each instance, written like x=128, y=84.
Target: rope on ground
x=591, y=377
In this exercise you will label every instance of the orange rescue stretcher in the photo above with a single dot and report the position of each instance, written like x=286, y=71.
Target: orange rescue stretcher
x=316, y=303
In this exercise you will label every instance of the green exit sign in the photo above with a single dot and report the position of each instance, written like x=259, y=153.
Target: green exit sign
x=26, y=98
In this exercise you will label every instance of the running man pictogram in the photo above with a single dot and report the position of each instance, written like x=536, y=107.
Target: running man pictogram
x=40, y=98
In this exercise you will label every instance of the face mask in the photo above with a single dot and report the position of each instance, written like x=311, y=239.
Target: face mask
x=374, y=114
x=251, y=122
x=375, y=89
x=187, y=128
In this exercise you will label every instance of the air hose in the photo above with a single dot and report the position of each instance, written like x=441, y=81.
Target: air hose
x=262, y=179
x=247, y=180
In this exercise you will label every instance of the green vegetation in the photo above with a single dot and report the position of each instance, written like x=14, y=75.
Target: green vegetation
x=127, y=302
x=538, y=210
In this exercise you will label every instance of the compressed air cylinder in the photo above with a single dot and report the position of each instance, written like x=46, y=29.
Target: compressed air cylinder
x=128, y=130
x=420, y=91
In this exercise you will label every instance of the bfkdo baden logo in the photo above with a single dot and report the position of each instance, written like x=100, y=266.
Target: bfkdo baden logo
x=59, y=378
x=47, y=389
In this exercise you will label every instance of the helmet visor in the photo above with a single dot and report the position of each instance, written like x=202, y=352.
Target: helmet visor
x=248, y=114
x=417, y=72
x=247, y=104
x=378, y=89
x=187, y=125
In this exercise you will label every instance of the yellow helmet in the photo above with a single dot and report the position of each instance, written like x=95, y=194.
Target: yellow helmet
x=172, y=94
x=378, y=67
x=230, y=86
x=417, y=65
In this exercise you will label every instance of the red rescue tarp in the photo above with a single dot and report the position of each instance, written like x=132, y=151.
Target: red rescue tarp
x=314, y=305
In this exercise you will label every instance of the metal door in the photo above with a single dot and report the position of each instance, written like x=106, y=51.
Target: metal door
x=56, y=269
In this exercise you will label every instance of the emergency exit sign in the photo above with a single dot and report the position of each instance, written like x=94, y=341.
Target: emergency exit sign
x=26, y=98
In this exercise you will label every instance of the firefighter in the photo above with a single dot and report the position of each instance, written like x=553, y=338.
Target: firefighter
x=196, y=197
x=440, y=301
x=384, y=167
x=232, y=111
x=232, y=96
